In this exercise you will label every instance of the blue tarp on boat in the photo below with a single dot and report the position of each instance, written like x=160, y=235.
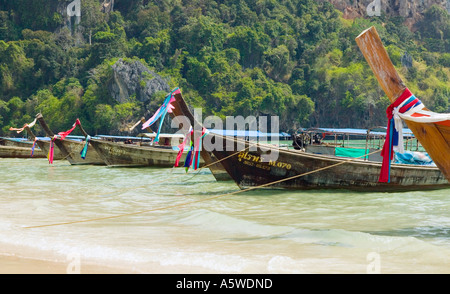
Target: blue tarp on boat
x=247, y=133
x=351, y=131
x=413, y=157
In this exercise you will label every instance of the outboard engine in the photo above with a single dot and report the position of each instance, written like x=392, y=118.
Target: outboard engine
x=300, y=141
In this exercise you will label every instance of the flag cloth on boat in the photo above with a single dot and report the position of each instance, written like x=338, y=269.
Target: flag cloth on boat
x=198, y=148
x=406, y=107
x=51, y=151
x=165, y=108
x=85, y=148
x=193, y=156
x=63, y=135
x=32, y=147
x=418, y=112
x=189, y=157
x=66, y=133
x=182, y=145
x=19, y=130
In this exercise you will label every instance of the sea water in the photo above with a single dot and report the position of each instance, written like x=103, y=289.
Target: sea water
x=151, y=220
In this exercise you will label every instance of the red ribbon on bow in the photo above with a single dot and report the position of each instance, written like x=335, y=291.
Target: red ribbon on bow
x=387, y=151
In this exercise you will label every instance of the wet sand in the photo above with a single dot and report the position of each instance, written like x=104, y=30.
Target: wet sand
x=19, y=265
x=15, y=265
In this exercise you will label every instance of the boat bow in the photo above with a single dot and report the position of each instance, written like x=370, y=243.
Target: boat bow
x=434, y=136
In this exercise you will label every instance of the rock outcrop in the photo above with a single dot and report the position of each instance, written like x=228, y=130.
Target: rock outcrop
x=132, y=78
x=411, y=10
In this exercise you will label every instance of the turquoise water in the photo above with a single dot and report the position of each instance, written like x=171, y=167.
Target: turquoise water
x=163, y=220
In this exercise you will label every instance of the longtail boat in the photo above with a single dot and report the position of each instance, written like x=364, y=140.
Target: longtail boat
x=431, y=129
x=71, y=149
x=251, y=164
x=131, y=154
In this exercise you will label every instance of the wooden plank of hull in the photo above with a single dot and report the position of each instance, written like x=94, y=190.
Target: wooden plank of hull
x=25, y=152
x=247, y=170
x=434, y=137
x=115, y=154
x=14, y=143
x=71, y=150
x=45, y=147
x=19, y=152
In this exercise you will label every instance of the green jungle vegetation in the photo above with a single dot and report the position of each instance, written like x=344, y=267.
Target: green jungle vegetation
x=293, y=58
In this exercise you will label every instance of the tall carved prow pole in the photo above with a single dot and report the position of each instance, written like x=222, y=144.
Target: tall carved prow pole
x=373, y=50
x=433, y=137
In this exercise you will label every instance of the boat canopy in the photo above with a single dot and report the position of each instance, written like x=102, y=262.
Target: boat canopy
x=247, y=133
x=121, y=137
x=350, y=131
x=153, y=135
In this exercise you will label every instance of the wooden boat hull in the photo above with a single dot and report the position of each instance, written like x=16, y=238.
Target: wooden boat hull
x=15, y=143
x=71, y=150
x=247, y=170
x=11, y=148
x=19, y=152
x=128, y=155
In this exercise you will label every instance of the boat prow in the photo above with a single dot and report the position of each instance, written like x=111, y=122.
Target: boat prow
x=71, y=149
x=431, y=129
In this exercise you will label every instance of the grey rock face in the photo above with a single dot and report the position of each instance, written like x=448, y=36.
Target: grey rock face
x=134, y=78
x=411, y=10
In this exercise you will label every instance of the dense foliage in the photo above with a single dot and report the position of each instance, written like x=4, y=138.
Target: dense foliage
x=293, y=58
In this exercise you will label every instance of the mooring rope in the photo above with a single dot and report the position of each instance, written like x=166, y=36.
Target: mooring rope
x=204, y=199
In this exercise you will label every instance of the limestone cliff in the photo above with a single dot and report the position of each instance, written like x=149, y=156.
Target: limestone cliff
x=411, y=10
x=132, y=78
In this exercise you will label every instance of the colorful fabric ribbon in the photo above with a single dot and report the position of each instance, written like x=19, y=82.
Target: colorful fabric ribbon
x=182, y=146
x=66, y=133
x=32, y=147
x=197, y=149
x=20, y=130
x=165, y=108
x=394, y=134
x=85, y=148
x=193, y=157
x=51, y=151
x=189, y=157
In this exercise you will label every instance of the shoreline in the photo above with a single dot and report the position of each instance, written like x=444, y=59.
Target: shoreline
x=24, y=265
x=20, y=265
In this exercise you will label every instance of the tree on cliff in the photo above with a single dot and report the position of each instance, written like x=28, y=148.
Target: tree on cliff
x=296, y=59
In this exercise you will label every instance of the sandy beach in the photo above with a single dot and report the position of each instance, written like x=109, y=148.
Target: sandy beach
x=20, y=265
x=15, y=265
